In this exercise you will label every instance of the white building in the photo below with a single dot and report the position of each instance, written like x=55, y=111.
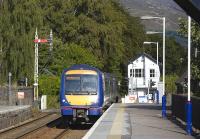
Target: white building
x=143, y=72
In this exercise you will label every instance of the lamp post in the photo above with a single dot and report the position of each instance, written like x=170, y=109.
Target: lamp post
x=156, y=48
x=153, y=32
x=164, y=96
x=189, y=104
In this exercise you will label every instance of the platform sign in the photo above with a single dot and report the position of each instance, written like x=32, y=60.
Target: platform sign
x=143, y=99
x=130, y=99
x=20, y=95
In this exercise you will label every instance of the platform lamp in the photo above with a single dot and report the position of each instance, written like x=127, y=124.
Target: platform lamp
x=189, y=104
x=163, y=32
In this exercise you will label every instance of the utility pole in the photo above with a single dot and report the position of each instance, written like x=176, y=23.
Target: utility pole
x=37, y=41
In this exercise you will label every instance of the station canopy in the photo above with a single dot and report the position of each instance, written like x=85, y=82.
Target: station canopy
x=191, y=7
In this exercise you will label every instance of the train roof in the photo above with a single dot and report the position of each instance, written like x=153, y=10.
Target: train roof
x=82, y=67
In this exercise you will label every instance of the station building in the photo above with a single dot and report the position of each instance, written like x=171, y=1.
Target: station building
x=144, y=79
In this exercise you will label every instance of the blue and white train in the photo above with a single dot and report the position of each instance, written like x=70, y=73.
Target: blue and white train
x=85, y=91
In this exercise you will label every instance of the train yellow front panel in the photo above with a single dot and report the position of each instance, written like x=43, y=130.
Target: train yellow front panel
x=91, y=72
x=81, y=99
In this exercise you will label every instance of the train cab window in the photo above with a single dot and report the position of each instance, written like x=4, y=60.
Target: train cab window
x=89, y=83
x=81, y=84
x=72, y=84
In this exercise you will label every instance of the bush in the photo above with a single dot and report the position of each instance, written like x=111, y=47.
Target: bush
x=170, y=83
x=49, y=85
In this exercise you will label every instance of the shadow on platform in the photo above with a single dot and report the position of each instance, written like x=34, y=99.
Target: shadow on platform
x=147, y=106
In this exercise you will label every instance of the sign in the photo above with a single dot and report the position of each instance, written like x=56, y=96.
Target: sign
x=131, y=97
x=20, y=95
x=142, y=99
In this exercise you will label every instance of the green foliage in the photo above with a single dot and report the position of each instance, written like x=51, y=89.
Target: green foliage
x=53, y=101
x=18, y=19
x=195, y=39
x=195, y=31
x=49, y=85
x=73, y=54
x=170, y=83
x=98, y=33
x=195, y=62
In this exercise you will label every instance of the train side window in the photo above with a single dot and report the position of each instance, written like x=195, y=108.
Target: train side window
x=104, y=87
x=107, y=87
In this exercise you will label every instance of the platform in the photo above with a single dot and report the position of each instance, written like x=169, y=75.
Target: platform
x=5, y=109
x=12, y=115
x=135, y=121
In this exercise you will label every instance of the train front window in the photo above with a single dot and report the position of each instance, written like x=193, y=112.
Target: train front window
x=81, y=84
x=89, y=83
x=72, y=84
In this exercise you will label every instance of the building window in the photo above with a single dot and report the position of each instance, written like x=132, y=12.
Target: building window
x=139, y=73
x=152, y=72
x=131, y=72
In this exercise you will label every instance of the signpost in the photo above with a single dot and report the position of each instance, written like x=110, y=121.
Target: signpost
x=20, y=96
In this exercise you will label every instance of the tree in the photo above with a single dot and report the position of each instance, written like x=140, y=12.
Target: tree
x=195, y=62
x=195, y=38
x=170, y=83
x=99, y=33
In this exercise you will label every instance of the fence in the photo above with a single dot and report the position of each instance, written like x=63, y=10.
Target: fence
x=179, y=109
x=53, y=101
x=4, y=96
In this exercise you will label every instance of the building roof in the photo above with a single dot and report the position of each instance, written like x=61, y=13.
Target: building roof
x=143, y=54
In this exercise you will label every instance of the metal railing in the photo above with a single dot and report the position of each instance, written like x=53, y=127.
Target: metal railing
x=179, y=108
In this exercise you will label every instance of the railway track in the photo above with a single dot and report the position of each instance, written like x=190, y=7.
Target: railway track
x=56, y=130
x=62, y=134
x=25, y=123
x=49, y=126
x=73, y=132
x=40, y=128
x=27, y=128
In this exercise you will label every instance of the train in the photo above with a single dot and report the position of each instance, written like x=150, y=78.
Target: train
x=84, y=93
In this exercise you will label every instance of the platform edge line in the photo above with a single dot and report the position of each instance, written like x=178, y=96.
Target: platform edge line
x=89, y=133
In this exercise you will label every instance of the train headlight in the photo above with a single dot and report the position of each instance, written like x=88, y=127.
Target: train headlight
x=63, y=100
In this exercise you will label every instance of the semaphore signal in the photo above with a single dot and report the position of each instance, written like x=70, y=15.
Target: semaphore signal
x=37, y=41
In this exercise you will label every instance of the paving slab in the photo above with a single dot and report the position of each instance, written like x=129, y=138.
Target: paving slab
x=135, y=121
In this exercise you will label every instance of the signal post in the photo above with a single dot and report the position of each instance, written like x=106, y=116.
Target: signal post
x=37, y=41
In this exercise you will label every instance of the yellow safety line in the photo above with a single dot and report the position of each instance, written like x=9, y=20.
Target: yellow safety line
x=117, y=126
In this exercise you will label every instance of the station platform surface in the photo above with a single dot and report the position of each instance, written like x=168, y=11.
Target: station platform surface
x=6, y=109
x=135, y=121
